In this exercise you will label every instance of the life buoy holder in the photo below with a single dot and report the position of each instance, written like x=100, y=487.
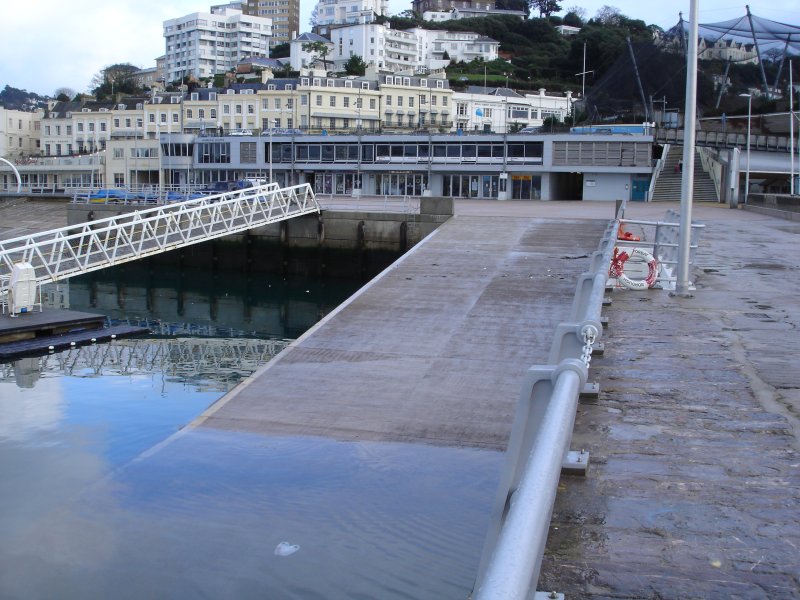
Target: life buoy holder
x=626, y=235
x=617, y=269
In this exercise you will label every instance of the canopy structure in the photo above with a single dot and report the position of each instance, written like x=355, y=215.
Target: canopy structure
x=764, y=33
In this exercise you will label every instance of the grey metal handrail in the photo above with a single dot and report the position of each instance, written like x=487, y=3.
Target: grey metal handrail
x=538, y=448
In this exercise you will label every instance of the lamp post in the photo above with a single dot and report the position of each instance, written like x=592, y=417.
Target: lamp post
x=747, y=173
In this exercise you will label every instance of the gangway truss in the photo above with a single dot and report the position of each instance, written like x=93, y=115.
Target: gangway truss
x=57, y=254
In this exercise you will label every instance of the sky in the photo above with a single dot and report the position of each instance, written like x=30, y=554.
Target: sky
x=50, y=44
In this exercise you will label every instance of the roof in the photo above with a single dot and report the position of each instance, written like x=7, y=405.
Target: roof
x=493, y=91
x=311, y=37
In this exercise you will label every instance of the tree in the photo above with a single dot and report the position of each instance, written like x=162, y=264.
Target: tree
x=573, y=19
x=280, y=51
x=355, y=65
x=320, y=49
x=608, y=15
x=64, y=91
x=314, y=19
x=545, y=7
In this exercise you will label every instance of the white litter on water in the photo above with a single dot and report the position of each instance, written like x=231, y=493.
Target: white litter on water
x=286, y=549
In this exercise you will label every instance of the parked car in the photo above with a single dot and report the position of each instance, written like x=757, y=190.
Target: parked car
x=219, y=187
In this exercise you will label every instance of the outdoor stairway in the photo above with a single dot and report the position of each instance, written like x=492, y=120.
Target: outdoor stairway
x=668, y=184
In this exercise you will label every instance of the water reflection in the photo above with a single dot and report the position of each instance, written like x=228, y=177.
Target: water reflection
x=204, y=514
x=219, y=363
x=174, y=301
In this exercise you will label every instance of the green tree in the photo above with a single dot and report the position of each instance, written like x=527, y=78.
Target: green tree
x=279, y=51
x=545, y=7
x=320, y=49
x=355, y=65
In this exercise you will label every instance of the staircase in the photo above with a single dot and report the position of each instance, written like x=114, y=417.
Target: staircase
x=668, y=184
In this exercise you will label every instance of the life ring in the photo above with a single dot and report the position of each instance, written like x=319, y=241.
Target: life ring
x=617, y=269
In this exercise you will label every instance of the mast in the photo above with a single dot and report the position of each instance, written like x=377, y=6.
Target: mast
x=758, y=52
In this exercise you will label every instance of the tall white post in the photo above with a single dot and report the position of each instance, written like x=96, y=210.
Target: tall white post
x=791, y=130
x=747, y=174
x=687, y=182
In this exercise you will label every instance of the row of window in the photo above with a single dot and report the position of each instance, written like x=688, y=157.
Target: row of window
x=219, y=152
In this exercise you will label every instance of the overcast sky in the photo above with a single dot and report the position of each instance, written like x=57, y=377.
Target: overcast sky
x=51, y=43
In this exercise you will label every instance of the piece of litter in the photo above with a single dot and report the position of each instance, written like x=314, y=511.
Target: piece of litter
x=286, y=549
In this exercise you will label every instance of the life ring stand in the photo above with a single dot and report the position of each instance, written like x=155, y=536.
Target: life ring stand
x=617, y=269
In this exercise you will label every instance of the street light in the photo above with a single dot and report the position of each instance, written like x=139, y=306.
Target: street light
x=747, y=173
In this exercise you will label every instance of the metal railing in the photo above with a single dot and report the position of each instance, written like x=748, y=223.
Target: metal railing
x=538, y=447
x=661, y=240
x=657, y=172
x=60, y=253
x=388, y=204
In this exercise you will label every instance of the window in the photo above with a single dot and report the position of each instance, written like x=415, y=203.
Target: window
x=174, y=117
x=371, y=103
x=290, y=103
x=116, y=122
x=251, y=109
x=388, y=100
x=303, y=100
x=247, y=152
x=411, y=102
x=346, y=101
x=277, y=103
x=238, y=109
x=163, y=117
x=319, y=99
x=151, y=118
x=119, y=153
x=399, y=101
x=213, y=113
x=201, y=112
x=333, y=101
x=189, y=114
x=226, y=109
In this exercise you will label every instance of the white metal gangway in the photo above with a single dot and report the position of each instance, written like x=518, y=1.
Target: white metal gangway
x=214, y=359
x=60, y=253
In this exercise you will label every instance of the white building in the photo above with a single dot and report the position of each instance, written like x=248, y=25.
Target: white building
x=440, y=47
x=304, y=59
x=19, y=132
x=414, y=49
x=502, y=110
x=343, y=12
x=204, y=44
x=478, y=10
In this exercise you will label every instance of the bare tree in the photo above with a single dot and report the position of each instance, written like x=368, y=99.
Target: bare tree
x=608, y=15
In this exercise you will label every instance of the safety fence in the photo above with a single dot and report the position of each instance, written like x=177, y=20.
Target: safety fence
x=660, y=239
x=539, y=445
x=389, y=204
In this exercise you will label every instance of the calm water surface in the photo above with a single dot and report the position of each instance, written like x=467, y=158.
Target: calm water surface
x=104, y=494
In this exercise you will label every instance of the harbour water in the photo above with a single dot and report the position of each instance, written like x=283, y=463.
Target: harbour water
x=107, y=493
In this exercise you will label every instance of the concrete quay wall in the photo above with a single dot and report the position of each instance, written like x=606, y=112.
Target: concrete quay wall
x=339, y=229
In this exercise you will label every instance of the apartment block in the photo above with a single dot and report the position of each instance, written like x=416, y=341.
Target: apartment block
x=20, y=132
x=205, y=44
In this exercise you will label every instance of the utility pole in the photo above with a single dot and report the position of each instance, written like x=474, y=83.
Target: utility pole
x=583, y=73
x=687, y=182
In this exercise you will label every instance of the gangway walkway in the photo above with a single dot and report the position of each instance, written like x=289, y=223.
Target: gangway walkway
x=61, y=253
